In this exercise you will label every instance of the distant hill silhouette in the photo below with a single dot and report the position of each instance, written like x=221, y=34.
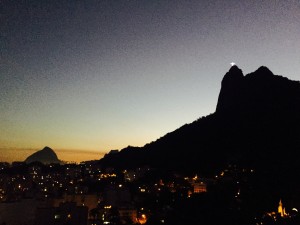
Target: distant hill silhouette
x=256, y=124
x=45, y=156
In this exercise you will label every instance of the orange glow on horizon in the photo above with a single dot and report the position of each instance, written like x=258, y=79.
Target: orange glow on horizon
x=67, y=155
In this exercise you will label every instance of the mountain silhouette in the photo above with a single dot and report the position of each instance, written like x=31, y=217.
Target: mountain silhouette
x=45, y=156
x=256, y=124
x=260, y=91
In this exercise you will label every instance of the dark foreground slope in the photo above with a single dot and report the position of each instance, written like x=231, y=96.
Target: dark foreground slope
x=256, y=124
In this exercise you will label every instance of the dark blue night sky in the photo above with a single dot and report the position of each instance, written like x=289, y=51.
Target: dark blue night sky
x=100, y=75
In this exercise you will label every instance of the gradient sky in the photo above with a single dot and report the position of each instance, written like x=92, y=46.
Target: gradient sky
x=104, y=74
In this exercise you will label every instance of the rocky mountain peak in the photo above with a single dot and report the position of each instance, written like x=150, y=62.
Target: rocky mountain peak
x=45, y=156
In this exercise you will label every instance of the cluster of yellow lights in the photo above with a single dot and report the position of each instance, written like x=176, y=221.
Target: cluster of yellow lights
x=107, y=175
x=192, y=178
x=281, y=212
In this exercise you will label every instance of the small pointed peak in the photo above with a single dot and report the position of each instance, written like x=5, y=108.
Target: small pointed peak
x=234, y=73
x=234, y=68
x=264, y=70
x=46, y=148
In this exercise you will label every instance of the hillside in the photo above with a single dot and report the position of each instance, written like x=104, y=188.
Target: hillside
x=256, y=124
x=45, y=156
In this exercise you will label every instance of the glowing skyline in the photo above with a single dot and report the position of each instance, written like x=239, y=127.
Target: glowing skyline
x=107, y=74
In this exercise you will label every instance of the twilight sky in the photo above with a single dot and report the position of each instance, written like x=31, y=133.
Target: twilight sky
x=85, y=77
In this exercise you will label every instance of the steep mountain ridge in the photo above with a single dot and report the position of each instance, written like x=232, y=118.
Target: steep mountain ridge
x=257, y=115
x=260, y=90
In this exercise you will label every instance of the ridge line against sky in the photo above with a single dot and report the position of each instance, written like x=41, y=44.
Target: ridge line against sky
x=102, y=75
